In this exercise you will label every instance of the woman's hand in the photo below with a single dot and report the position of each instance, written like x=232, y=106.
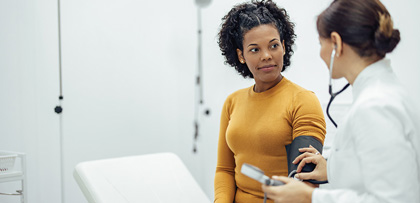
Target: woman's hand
x=311, y=155
x=292, y=191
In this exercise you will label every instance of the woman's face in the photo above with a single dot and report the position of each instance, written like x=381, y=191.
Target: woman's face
x=263, y=53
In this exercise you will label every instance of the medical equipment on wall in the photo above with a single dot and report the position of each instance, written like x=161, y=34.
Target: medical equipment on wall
x=59, y=109
x=333, y=95
x=10, y=172
x=199, y=88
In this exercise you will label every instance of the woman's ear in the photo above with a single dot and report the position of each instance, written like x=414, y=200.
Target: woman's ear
x=240, y=56
x=337, y=43
x=284, y=48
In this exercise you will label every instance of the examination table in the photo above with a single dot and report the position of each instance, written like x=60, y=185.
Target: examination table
x=150, y=178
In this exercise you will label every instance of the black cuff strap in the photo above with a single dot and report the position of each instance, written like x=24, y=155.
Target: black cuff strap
x=292, y=150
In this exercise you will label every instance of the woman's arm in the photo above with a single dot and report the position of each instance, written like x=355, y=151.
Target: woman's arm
x=307, y=117
x=308, y=125
x=224, y=181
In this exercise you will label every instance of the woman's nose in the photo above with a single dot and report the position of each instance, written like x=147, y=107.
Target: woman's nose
x=266, y=55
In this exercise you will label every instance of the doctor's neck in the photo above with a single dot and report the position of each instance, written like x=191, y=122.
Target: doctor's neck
x=355, y=64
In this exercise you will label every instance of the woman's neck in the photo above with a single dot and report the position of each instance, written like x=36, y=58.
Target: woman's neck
x=262, y=86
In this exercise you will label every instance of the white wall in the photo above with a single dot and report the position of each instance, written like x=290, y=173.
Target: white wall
x=128, y=75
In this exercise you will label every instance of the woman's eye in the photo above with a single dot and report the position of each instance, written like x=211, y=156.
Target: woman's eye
x=254, y=50
x=274, y=46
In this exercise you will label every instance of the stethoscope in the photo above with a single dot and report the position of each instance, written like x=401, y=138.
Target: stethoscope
x=333, y=95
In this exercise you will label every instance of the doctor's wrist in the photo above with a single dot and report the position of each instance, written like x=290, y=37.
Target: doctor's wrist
x=308, y=194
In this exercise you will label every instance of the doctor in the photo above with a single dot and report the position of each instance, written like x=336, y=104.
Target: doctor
x=375, y=155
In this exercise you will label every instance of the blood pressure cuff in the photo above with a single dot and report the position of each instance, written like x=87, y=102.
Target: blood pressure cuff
x=292, y=150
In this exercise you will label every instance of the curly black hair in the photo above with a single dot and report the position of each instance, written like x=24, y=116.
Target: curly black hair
x=242, y=18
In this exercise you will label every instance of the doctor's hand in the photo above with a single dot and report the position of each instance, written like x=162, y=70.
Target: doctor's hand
x=311, y=155
x=292, y=191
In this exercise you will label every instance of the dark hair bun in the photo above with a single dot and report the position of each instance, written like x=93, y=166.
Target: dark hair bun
x=386, y=37
x=385, y=44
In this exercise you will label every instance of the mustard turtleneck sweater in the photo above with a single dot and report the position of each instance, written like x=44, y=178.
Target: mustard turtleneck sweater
x=254, y=129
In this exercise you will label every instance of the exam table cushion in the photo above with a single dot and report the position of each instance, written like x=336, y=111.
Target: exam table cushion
x=160, y=177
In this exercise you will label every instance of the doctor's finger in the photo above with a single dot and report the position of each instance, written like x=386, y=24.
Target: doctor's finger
x=302, y=156
x=306, y=160
x=283, y=179
x=310, y=149
x=271, y=190
x=306, y=176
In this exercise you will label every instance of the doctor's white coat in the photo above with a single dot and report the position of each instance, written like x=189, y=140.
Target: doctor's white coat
x=375, y=155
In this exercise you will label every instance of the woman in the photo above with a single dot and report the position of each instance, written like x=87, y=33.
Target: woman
x=257, y=122
x=375, y=155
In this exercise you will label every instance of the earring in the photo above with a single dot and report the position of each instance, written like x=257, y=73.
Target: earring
x=242, y=61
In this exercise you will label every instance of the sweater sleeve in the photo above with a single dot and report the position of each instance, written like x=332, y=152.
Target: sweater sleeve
x=224, y=182
x=307, y=116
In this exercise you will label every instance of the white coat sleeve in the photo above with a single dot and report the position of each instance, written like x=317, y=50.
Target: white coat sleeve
x=387, y=158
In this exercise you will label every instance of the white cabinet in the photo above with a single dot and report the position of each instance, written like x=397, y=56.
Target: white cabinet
x=9, y=171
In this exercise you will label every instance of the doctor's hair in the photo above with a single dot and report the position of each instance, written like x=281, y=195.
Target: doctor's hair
x=365, y=25
x=242, y=18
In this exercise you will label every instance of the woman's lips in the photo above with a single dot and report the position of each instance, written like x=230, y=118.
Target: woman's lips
x=267, y=68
